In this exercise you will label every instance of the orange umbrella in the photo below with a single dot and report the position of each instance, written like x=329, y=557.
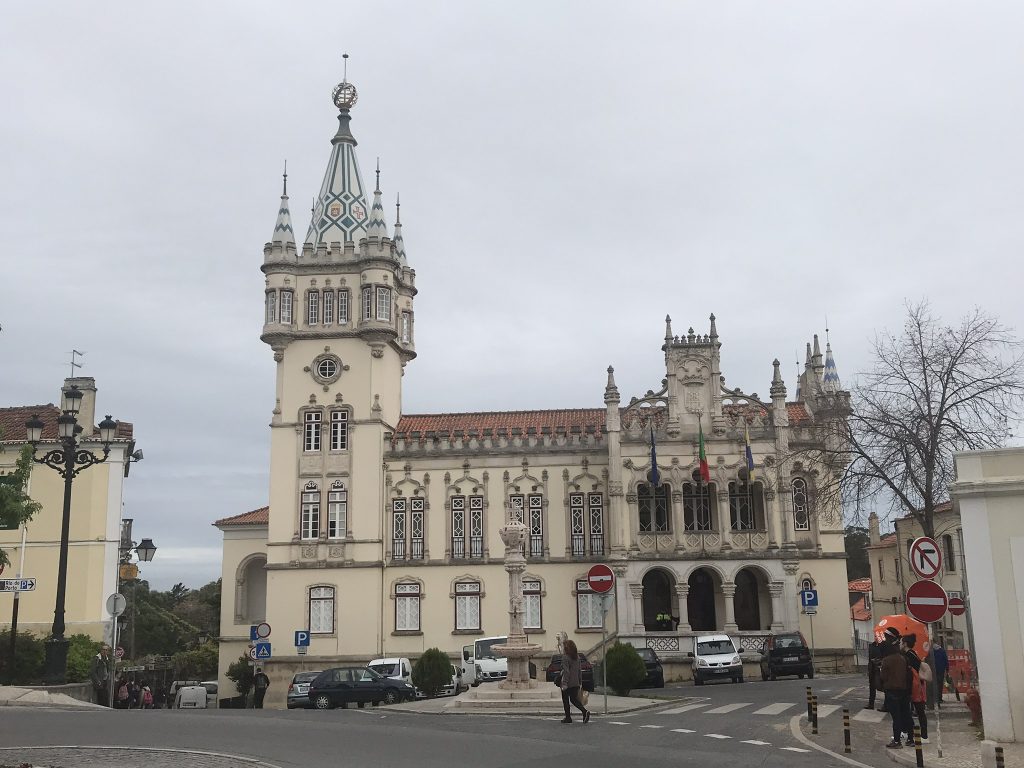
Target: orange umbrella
x=905, y=626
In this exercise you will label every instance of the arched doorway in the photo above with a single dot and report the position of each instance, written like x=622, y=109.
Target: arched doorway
x=657, y=600
x=752, y=601
x=700, y=602
x=251, y=592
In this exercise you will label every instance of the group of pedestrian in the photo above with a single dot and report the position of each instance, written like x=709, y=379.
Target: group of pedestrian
x=129, y=692
x=904, y=678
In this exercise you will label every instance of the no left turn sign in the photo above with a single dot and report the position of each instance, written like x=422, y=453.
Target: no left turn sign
x=925, y=557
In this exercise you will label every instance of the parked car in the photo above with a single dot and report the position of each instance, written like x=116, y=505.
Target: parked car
x=298, y=689
x=655, y=673
x=190, y=697
x=211, y=687
x=341, y=686
x=175, y=686
x=586, y=671
x=786, y=654
x=454, y=688
x=396, y=668
x=716, y=656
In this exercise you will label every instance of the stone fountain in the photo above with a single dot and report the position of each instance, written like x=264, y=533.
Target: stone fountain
x=517, y=690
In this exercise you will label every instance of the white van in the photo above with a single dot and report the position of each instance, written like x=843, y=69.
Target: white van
x=716, y=656
x=480, y=664
x=397, y=668
x=190, y=697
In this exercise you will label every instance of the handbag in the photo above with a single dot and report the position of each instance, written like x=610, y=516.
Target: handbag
x=584, y=696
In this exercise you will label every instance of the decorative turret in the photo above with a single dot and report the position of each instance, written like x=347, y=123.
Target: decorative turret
x=339, y=214
x=831, y=379
x=399, y=241
x=281, y=246
x=611, y=392
x=376, y=227
x=668, y=329
x=778, y=389
x=714, y=329
x=816, y=361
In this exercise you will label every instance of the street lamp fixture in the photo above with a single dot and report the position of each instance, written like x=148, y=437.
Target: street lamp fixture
x=145, y=550
x=67, y=460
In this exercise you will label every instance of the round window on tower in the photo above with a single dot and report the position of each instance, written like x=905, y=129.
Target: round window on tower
x=326, y=368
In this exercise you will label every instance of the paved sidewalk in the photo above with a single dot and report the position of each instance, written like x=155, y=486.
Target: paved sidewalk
x=961, y=741
x=10, y=696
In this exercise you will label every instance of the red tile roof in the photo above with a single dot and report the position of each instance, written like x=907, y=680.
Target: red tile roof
x=576, y=419
x=12, y=423
x=859, y=610
x=860, y=585
x=259, y=516
x=886, y=541
x=568, y=420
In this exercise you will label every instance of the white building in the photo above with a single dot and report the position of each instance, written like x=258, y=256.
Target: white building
x=381, y=536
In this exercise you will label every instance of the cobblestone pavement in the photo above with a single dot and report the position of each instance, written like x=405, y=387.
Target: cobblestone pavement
x=119, y=757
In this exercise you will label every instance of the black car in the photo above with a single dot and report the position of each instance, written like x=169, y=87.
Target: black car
x=340, y=686
x=786, y=654
x=655, y=673
x=586, y=671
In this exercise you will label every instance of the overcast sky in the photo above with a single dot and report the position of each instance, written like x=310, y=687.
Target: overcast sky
x=570, y=172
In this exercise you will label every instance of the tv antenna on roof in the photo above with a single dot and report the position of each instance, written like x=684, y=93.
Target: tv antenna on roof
x=75, y=354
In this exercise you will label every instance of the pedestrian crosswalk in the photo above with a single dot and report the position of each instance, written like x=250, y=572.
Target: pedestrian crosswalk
x=787, y=708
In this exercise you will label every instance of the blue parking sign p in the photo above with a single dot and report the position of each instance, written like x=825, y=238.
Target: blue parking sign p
x=809, y=598
x=301, y=638
x=253, y=637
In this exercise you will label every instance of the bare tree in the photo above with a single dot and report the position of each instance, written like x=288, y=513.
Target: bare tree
x=934, y=389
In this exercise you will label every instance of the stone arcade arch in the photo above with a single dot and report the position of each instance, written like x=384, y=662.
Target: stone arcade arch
x=701, y=601
x=251, y=590
x=752, y=601
x=659, y=590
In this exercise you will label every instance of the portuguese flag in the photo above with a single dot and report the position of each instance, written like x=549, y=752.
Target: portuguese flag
x=705, y=472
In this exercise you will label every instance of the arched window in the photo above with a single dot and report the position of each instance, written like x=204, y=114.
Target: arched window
x=321, y=610
x=271, y=306
x=746, y=506
x=801, y=511
x=286, y=307
x=652, y=504
x=313, y=307
x=337, y=510
x=950, y=556
x=328, y=307
x=310, y=522
x=407, y=606
x=697, y=506
x=343, y=306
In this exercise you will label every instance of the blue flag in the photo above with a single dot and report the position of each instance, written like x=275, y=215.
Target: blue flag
x=655, y=476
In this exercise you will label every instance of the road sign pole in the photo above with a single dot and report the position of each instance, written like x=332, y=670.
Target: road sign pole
x=604, y=646
x=14, y=610
x=810, y=617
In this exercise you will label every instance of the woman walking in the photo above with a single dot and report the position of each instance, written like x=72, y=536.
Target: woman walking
x=571, y=680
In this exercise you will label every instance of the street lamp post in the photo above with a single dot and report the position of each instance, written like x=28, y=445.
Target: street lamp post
x=68, y=460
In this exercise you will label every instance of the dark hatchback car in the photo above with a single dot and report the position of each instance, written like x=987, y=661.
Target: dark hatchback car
x=655, y=673
x=298, y=689
x=341, y=686
x=586, y=671
x=786, y=654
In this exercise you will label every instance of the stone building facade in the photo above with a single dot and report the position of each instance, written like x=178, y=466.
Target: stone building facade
x=381, y=535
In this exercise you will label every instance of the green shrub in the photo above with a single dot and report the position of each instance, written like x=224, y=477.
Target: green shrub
x=81, y=652
x=626, y=669
x=29, y=653
x=198, y=664
x=432, y=672
x=242, y=675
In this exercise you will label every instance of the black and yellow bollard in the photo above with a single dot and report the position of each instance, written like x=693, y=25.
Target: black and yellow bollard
x=999, y=757
x=846, y=731
x=918, y=751
x=814, y=715
x=808, y=703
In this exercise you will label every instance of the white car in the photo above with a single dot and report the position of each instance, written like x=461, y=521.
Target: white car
x=397, y=668
x=716, y=656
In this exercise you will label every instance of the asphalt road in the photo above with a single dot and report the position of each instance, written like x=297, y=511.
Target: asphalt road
x=740, y=725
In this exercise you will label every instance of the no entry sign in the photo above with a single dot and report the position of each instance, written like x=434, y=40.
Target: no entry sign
x=600, y=578
x=925, y=557
x=957, y=606
x=926, y=601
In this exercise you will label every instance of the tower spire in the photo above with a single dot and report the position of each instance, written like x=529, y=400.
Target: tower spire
x=376, y=226
x=283, y=232
x=398, y=240
x=831, y=379
x=340, y=210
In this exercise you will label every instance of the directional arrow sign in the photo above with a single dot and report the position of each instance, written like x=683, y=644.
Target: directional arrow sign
x=926, y=601
x=925, y=557
x=17, y=585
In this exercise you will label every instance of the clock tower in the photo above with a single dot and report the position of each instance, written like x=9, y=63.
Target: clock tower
x=339, y=319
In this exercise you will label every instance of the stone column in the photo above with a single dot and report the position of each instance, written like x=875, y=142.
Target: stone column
x=729, y=592
x=636, y=591
x=517, y=649
x=775, y=588
x=723, y=519
x=682, y=593
x=771, y=517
